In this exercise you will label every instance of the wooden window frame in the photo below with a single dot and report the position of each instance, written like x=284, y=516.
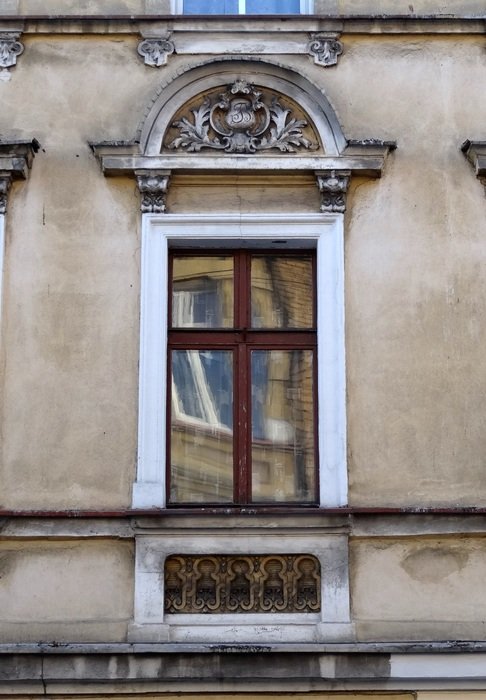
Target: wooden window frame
x=324, y=233
x=241, y=339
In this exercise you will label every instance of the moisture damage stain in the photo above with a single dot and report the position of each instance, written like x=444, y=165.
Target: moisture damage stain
x=432, y=564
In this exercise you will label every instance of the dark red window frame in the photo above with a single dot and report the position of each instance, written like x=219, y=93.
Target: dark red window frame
x=241, y=339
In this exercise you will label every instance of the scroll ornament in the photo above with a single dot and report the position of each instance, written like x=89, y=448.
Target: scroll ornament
x=155, y=51
x=10, y=48
x=240, y=121
x=333, y=187
x=153, y=188
x=325, y=50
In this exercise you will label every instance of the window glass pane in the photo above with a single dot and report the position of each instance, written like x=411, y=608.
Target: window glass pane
x=202, y=426
x=202, y=292
x=282, y=449
x=282, y=291
x=272, y=7
x=210, y=7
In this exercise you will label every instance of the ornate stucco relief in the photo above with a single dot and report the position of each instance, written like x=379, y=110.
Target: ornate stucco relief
x=10, y=48
x=153, y=188
x=155, y=52
x=241, y=584
x=325, y=49
x=333, y=188
x=243, y=119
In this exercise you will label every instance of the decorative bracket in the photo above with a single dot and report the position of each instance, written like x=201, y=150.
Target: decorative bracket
x=475, y=152
x=10, y=48
x=155, y=52
x=15, y=162
x=333, y=186
x=325, y=49
x=5, y=181
x=153, y=186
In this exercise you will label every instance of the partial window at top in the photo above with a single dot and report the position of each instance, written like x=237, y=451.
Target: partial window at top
x=245, y=7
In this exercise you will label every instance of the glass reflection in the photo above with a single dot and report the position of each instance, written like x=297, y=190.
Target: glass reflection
x=282, y=450
x=281, y=291
x=202, y=426
x=202, y=292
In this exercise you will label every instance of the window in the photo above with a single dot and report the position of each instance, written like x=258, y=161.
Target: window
x=243, y=7
x=242, y=346
x=222, y=306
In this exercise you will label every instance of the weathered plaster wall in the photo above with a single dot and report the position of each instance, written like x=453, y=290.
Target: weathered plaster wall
x=65, y=591
x=414, y=262
x=437, y=580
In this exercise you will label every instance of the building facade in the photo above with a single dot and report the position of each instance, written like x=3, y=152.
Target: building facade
x=242, y=365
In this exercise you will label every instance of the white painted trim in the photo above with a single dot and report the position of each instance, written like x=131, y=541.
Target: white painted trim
x=306, y=7
x=325, y=231
x=440, y=666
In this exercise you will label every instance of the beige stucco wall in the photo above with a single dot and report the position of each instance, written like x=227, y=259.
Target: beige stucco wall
x=414, y=271
x=65, y=591
x=418, y=589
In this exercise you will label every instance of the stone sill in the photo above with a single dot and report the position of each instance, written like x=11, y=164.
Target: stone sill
x=159, y=25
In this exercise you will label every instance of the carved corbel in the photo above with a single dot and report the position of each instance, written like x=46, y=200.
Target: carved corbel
x=333, y=186
x=5, y=182
x=155, y=52
x=10, y=48
x=16, y=159
x=153, y=186
x=475, y=152
x=325, y=49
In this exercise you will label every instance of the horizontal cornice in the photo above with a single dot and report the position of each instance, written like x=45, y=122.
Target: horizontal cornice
x=156, y=24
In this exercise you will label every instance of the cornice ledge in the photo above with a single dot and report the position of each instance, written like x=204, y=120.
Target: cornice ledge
x=15, y=162
x=475, y=152
x=16, y=157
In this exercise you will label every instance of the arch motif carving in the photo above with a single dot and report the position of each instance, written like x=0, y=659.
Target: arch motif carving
x=246, y=115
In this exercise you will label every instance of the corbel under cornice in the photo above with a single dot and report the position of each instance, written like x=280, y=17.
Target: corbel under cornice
x=475, y=152
x=15, y=162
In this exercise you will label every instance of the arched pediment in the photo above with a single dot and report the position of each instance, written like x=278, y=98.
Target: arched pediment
x=255, y=85
x=237, y=114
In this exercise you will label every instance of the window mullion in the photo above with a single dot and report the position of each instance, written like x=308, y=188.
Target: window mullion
x=242, y=379
x=241, y=7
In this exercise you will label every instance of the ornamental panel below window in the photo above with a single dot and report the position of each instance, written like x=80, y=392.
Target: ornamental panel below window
x=288, y=583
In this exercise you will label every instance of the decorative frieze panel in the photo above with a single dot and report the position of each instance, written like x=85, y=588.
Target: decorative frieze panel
x=155, y=52
x=242, y=584
x=325, y=50
x=243, y=119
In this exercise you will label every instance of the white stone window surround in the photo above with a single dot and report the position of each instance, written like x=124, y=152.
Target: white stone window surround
x=151, y=624
x=322, y=231
x=306, y=7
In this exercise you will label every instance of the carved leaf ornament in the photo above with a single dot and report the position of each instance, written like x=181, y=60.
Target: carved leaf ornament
x=240, y=120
